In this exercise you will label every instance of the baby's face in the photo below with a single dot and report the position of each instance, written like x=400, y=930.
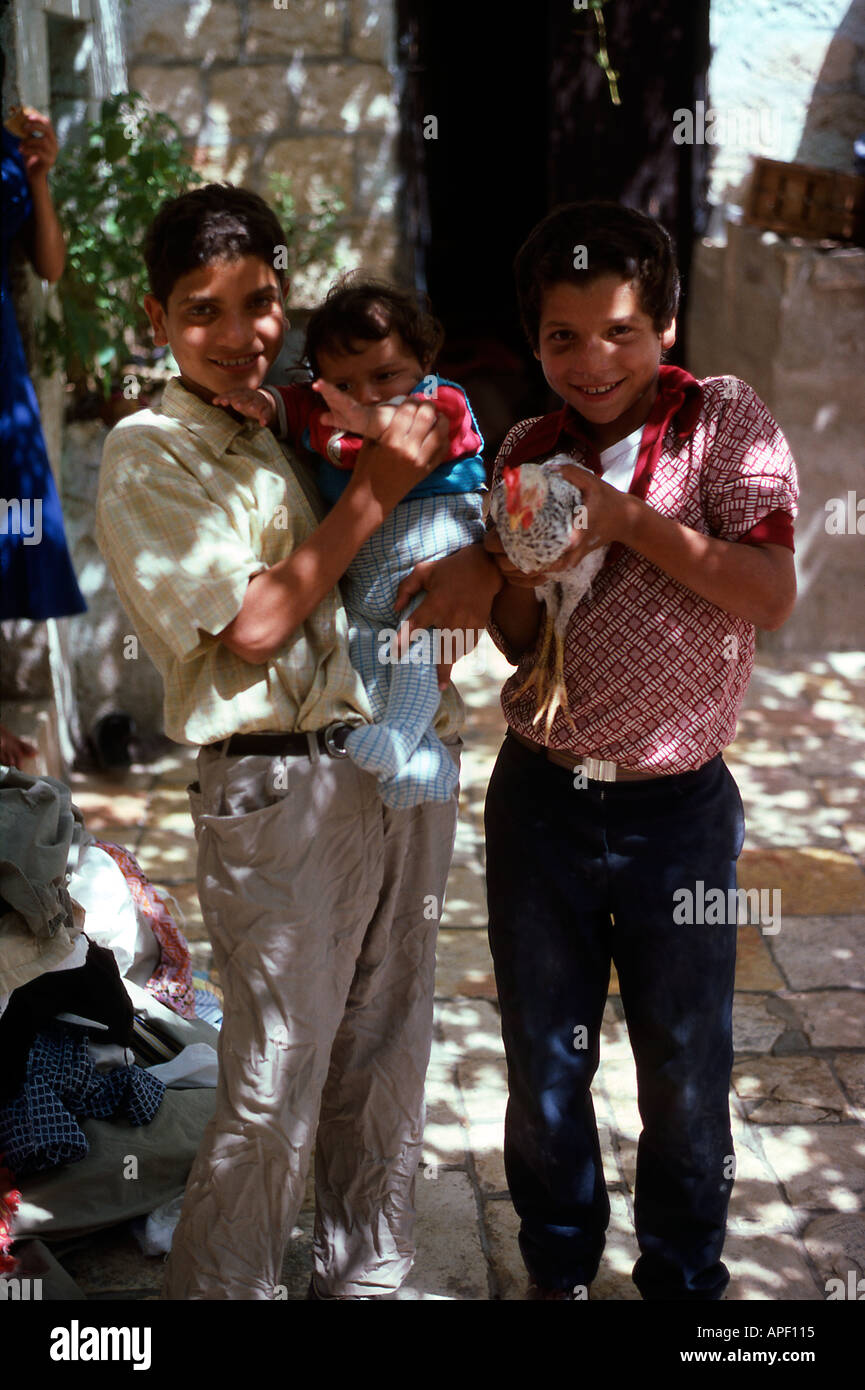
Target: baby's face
x=376, y=372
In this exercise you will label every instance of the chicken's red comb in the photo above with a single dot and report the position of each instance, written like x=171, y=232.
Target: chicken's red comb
x=511, y=479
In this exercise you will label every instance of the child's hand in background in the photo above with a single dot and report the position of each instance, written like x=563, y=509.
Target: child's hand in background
x=345, y=413
x=38, y=146
x=256, y=405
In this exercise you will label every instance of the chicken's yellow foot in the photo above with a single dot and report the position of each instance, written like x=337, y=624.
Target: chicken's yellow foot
x=537, y=677
x=556, y=696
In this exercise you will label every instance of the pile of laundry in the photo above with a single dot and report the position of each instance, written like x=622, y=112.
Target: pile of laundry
x=103, y=1059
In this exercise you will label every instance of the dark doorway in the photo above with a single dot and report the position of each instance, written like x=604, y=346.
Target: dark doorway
x=522, y=120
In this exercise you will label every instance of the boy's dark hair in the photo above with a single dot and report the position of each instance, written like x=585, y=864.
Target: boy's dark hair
x=361, y=309
x=602, y=239
x=214, y=223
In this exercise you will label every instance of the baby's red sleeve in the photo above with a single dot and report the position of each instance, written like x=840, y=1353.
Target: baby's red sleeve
x=465, y=441
x=296, y=407
x=300, y=409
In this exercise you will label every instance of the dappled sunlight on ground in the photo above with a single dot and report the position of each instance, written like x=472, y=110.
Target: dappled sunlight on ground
x=799, y=1081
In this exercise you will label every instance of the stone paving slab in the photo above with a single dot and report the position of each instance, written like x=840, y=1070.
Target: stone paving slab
x=167, y=857
x=185, y=895
x=755, y=968
x=486, y=1138
x=848, y=796
x=812, y=882
x=103, y=808
x=836, y=1245
x=854, y=835
x=464, y=965
x=450, y=1262
x=815, y=951
x=789, y=1091
x=798, y=1096
x=616, y=1080
x=830, y=1018
x=501, y=1229
x=850, y=1070
x=758, y=1203
x=483, y=1084
x=467, y=1028
x=768, y=1268
x=756, y=1027
x=465, y=901
x=822, y=1167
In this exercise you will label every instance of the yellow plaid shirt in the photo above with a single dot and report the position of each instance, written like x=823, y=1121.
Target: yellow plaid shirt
x=192, y=503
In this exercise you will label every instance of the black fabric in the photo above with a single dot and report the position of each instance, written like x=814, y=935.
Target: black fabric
x=93, y=990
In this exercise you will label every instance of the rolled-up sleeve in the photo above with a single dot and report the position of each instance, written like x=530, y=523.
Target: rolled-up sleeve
x=749, y=481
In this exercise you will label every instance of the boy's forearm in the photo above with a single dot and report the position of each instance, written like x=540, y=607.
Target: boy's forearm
x=517, y=614
x=280, y=599
x=754, y=582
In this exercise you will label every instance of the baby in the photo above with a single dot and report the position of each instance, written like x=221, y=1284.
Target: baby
x=373, y=342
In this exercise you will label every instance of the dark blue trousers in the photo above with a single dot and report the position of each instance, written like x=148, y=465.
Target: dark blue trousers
x=577, y=877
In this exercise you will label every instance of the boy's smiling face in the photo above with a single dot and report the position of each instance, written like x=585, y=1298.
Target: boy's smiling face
x=224, y=322
x=601, y=354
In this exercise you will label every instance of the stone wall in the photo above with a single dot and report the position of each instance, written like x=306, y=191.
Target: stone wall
x=299, y=87
x=787, y=317
x=787, y=81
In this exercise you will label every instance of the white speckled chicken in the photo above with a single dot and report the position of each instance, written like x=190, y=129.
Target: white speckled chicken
x=536, y=511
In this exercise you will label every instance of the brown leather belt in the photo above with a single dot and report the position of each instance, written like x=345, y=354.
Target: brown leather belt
x=330, y=741
x=596, y=769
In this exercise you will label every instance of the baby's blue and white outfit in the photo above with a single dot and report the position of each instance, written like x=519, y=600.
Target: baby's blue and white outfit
x=439, y=516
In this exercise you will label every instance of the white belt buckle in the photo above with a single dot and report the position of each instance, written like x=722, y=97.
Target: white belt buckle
x=599, y=769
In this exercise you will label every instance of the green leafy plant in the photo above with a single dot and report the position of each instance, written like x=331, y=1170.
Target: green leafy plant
x=106, y=189
x=311, y=241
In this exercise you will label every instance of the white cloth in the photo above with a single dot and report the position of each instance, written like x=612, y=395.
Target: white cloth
x=99, y=886
x=107, y=1056
x=620, y=461
x=155, y=1233
x=196, y=1065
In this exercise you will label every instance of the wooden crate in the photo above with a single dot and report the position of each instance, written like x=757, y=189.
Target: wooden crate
x=803, y=200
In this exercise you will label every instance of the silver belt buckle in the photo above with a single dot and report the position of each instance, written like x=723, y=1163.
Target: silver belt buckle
x=599, y=769
x=334, y=749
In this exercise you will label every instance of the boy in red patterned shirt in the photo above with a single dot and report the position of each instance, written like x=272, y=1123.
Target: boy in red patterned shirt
x=619, y=840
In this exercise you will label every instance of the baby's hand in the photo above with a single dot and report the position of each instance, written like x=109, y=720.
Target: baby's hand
x=345, y=413
x=257, y=405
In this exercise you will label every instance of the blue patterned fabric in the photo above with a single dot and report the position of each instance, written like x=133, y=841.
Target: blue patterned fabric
x=36, y=575
x=39, y=1128
x=411, y=762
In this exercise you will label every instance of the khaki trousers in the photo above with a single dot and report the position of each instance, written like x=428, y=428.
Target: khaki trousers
x=322, y=907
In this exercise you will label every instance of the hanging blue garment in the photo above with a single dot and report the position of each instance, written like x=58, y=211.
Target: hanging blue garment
x=36, y=575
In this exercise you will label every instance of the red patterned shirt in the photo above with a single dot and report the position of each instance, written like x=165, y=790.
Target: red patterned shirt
x=656, y=674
